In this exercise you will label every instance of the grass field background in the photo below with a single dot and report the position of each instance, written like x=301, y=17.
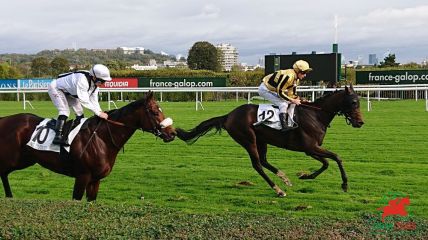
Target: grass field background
x=388, y=154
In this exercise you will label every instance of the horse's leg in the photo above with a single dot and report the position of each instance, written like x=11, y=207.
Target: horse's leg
x=252, y=151
x=6, y=186
x=92, y=190
x=79, y=186
x=246, y=137
x=262, y=149
x=314, y=174
x=323, y=153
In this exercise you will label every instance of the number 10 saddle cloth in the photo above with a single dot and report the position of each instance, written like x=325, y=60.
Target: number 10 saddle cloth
x=43, y=135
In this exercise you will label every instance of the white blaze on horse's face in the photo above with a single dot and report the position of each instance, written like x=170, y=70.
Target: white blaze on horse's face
x=166, y=123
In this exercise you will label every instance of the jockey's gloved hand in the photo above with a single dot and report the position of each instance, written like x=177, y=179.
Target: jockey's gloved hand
x=302, y=99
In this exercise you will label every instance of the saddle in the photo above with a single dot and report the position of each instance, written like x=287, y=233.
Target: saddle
x=268, y=115
x=43, y=135
x=68, y=126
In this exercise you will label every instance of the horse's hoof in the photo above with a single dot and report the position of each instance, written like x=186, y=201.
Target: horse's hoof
x=303, y=175
x=279, y=191
x=345, y=187
x=281, y=194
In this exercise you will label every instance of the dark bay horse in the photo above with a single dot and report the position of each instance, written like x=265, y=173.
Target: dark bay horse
x=308, y=137
x=93, y=152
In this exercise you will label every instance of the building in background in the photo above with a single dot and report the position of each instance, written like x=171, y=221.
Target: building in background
x=230, y=56
x=132, y=50
x=262, y=62
x=373, y=59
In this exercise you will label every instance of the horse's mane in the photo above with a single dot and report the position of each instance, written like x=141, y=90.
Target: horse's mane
x=115, y=114
x=321, y=99
x=131, y=107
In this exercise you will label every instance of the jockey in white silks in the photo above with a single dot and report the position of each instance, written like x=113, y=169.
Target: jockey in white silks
x=280, y=89
x=73, y=90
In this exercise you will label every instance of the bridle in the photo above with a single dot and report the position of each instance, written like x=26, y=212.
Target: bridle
x=347, y=114
x=155, y=128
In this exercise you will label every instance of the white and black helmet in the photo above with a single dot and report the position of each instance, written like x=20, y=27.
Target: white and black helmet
x=101, y=72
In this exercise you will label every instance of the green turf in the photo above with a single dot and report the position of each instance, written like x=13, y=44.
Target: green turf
x=388, y=154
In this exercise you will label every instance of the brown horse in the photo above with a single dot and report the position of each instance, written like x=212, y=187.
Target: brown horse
x=93, y=151
x=308, y=137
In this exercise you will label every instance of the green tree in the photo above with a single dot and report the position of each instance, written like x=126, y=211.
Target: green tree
x=115, y=65
x=40, y=67
x=59, y=65
x=220, y=59
x=203, y=56
x=7, y=71
x=411, y=65
x=389, y=61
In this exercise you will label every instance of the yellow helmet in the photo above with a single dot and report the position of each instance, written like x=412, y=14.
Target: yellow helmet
x=301, y=66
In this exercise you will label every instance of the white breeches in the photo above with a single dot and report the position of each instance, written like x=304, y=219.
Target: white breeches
x=63, y=102
x=284, y=105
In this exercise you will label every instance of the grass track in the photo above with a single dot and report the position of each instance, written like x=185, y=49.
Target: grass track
x=389, y=154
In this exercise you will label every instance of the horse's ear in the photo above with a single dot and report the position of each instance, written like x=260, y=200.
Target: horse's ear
x=149, y=95
x=350, y=89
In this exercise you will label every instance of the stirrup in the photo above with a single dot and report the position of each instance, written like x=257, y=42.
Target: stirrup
x=295, y=125
x=59, y=140
x=285, y=129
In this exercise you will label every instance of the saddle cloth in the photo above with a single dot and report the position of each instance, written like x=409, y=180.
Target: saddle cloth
x=268, y=115
x=43, y=135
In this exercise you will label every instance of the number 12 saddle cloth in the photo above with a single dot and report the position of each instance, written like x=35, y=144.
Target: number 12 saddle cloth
x=268, y=115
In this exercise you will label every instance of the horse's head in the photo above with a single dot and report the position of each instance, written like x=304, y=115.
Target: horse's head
x=351, y=108
x=155, y=122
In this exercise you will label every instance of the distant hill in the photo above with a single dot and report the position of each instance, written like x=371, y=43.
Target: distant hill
x=82, y=57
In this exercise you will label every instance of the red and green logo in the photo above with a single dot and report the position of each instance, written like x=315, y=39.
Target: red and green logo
x=392, y=214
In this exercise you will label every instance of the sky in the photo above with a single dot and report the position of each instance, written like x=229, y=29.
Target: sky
x=255, y=28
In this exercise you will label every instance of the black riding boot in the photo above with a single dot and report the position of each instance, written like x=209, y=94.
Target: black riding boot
x=77, y=120
x=283, y=120
x=59, y=138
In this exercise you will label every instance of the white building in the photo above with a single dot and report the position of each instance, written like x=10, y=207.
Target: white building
x=230, y=56
x=143, y=68
x=132, y=50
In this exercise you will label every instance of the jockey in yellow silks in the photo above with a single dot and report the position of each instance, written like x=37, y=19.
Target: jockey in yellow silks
x=280, y=89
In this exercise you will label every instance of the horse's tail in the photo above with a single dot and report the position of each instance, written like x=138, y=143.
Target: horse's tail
x=203, y=128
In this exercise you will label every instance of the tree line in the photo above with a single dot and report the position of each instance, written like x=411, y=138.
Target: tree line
x=204, y=59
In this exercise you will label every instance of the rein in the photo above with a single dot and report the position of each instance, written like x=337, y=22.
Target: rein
x=119, y=124
x=311, y=107
x=92, y=135
x=348, y=119
x=339, y=113
x=154, y=130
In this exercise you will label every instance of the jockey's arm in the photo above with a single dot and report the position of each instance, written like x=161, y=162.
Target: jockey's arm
x=284, y=83
x=84, y=98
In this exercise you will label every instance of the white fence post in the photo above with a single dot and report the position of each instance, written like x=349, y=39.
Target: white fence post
x=426, y=100
x=369, y=104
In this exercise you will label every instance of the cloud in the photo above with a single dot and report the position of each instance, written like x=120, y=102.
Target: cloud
x=256, y=28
